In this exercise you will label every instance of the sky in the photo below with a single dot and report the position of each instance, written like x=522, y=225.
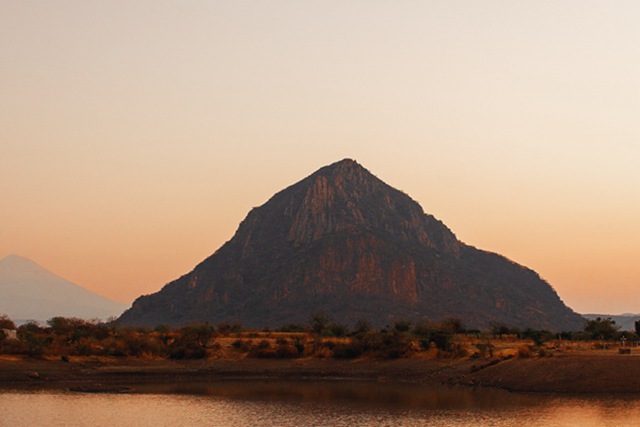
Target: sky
x=135, y=136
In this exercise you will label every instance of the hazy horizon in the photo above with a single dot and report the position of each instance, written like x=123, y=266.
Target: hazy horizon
x=135, y=137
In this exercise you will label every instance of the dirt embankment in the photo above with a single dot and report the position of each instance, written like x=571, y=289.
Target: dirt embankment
x=605, y=373
x=595, y=372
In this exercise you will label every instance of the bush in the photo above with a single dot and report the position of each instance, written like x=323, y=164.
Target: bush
x=14, y=347
x=6, y=322
x=524, y=352
x=485, y=349
x=362, y=326
x=348, y=350
x=262, y=350
x=226, y=328
x=291, y=327
x=287, y=351
x=34, y=337
x=602, y=329
x=402, y=326
x=318, y=322
x=335, y=330
x=440, y=334
x=243, y=346
x=386, y=345
x=182, y=352
x=299, y=345
x=538, y=337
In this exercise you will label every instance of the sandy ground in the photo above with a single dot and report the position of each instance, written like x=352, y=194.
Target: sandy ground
x=580, y=372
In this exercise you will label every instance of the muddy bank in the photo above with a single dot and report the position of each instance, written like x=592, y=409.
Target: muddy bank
x=562, y=374
x=594, y=373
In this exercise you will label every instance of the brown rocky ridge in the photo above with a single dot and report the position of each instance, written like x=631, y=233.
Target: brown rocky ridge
x=344, y=242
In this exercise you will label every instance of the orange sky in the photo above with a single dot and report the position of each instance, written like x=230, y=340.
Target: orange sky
x=134, y=138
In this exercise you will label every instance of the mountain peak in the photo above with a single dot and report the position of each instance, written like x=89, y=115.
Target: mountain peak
x=19, y=263
x=29, y=291
x=346, y=169
x=15, y=259
x=343, y=165
x=343, y=241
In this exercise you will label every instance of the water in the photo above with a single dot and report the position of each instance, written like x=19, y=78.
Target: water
x=267, y=403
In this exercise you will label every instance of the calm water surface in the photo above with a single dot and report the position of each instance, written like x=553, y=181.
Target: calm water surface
x=256, y=403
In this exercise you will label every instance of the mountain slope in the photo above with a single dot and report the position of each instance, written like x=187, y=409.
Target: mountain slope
x=28, y=291
x=343, y=241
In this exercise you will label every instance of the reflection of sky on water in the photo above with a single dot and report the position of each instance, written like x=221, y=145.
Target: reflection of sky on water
x=267, y=403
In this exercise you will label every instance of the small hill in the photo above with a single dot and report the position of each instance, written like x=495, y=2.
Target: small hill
x=30, y=292
x=344, y=242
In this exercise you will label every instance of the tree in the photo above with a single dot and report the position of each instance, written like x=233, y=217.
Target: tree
x=602, y=329
x=402, y=325
x=453, y=325
x=319, y=321
x=537, y=336
x=198, y=334
x=336, y=330
x=6, y=322
x=362, y=326
x=32, y=335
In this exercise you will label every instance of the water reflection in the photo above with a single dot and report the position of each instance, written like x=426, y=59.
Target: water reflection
x=273, y=403
x=405, y=395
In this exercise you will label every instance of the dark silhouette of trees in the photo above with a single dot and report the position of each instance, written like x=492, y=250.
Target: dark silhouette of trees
x=6, y=322
x=318, y=322
x=602, y=329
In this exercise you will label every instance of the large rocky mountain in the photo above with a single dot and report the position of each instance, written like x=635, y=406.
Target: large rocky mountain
x=344, y=242
x=30, y=292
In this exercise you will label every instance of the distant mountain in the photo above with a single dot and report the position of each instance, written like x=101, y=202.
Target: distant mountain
x=625, y=321
x=344, y=242
x=28, y=291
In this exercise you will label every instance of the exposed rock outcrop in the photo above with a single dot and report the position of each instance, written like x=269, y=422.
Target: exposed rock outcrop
x=343, y=241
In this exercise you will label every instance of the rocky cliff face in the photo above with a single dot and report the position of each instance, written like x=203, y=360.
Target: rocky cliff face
x=343, y=241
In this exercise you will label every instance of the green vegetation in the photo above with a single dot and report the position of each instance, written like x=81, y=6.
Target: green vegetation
x=319, y=338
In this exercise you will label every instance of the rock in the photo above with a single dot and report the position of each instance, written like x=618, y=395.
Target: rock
x=344, y=242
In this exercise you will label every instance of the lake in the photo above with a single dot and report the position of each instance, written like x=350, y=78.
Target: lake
x=326, y=403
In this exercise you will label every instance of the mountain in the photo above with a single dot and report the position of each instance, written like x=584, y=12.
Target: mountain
x=344, y=242
x=29, y=292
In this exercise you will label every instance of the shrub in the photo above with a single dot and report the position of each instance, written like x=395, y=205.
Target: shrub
x=226, y=328
x=538, y=337
x=335, y=330
x=6, y=322
x=362, y=326
x=291, y=327
x=241, y=345
x=318, y=322
x=485, y=349
x=386, y=345
x=262, y=350
x=402, y=326
x=602, y=329
x=286, y=351
x=182, y=352
x=524, y=352
x=348, y=350
x=299, y=345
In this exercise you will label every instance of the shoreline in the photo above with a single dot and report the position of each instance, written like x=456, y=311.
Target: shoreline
x=564, y=374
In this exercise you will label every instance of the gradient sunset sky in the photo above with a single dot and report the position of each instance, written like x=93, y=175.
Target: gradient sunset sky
x=136, y=135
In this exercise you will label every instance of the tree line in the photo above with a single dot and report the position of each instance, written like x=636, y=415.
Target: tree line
x=320, y=337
